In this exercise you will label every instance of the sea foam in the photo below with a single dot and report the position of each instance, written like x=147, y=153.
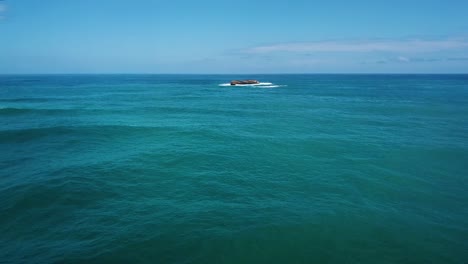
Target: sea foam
x=259, y=85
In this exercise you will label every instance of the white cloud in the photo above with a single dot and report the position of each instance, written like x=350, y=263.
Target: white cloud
x=410, y=45
x=458, y=59
x=403, y=59
x=3, y=9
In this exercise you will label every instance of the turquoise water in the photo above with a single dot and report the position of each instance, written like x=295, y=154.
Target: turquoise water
x=178, y=169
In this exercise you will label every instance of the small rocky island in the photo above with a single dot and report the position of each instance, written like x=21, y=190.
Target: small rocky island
x=235, y=82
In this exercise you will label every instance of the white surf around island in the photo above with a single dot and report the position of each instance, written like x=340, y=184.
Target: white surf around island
x=256, y=85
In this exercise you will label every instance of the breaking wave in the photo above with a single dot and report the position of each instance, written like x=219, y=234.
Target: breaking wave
x=258, y=85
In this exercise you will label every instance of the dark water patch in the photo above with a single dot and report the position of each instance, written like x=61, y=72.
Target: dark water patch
x=24, y=135
x=11, y=111
x=197, y=110
x=115, y=109
x=14, y=111
x=31, y=100
x=102, y=132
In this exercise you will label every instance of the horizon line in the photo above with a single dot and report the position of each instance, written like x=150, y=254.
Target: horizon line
x=330, y=73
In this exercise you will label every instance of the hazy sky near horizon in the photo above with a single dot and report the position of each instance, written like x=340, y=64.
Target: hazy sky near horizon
x=242, y=36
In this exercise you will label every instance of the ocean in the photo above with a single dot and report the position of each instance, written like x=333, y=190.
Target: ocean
x=187, y=169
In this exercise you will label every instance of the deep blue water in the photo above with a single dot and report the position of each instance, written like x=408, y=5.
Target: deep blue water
x=177, y=169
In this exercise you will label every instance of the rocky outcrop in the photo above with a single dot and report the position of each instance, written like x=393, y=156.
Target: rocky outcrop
x=234, y=82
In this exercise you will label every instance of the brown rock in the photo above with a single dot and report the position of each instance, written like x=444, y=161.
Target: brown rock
x=234, y=82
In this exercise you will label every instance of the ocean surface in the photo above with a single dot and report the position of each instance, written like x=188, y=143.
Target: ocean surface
x=185, y=169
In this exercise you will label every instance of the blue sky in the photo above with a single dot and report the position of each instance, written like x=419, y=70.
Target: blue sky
x=209, y=36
